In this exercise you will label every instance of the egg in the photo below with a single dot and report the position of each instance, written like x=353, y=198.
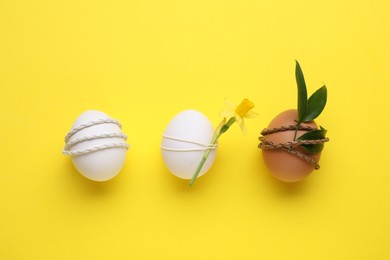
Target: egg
x=283, y=165
x=184, y=142
x=96, y=145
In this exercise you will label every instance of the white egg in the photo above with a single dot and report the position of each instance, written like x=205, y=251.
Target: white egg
x=184, y=142
x=96, y=145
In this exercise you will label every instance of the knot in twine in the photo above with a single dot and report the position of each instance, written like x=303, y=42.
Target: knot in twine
x=288, y=146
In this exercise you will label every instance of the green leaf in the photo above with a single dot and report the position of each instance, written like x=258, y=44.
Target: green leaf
x=313, y=135
x=302, y=92
x=315, y=104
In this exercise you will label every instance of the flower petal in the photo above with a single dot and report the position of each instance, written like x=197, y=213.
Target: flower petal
x=238, y=119
x=242, y=126
x=230, y=104
x=227, y=113
x=251, y=114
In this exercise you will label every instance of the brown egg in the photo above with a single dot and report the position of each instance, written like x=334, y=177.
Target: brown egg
x=283, y=165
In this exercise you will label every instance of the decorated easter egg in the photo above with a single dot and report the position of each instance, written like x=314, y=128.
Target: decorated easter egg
x=293, y=142
x=289, y=165
x=184, y=142
x=96, y=145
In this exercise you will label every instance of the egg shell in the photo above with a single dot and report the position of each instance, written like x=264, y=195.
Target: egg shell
x=283, y=165
x=100, y=165
x=188, y=125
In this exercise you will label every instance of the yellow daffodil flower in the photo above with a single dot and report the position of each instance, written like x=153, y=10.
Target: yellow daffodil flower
x=234, y=114
x=243, y=110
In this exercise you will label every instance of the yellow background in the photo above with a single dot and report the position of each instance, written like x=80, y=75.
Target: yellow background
x=143, y=62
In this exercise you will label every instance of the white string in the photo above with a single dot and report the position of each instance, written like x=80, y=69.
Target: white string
x=69, y=144
x=203, y=147
x=97, y=148
x=93, y=137
x=91, y=123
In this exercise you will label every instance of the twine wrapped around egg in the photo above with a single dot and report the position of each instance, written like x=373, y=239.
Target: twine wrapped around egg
x=200, y=146
x=70, y=143
x=184, y=142
x=288, y=146
x=96, y=145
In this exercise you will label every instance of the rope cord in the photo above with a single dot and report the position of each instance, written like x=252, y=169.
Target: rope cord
x=89, y=124
x=203, y=146
x=288, y=146
x=69, y=144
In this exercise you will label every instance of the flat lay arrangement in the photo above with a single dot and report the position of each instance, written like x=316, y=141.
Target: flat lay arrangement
x=189, y=145
x=202, y=129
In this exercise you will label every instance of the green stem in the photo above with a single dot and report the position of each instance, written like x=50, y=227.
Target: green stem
x=296, y=131
x=227, y=126
x=295, y=134
x=204, y=158
x=223, y=129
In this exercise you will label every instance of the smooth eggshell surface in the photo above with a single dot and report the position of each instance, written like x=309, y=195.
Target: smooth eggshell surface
x=101, y=165
x=284, y=166
x=188, y=125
